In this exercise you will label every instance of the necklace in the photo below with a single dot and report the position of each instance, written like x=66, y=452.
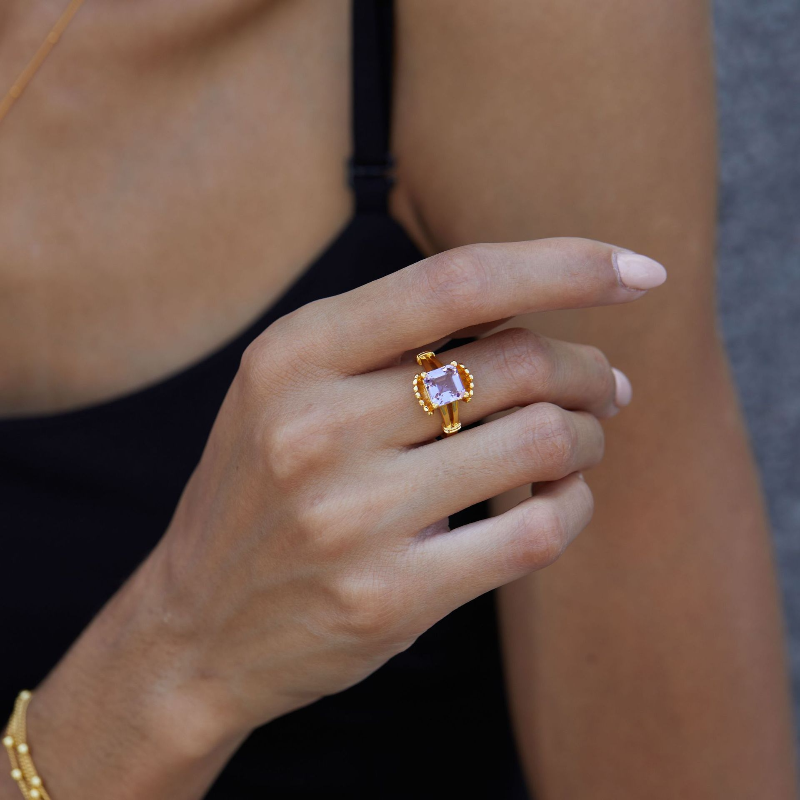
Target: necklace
x=38, y=59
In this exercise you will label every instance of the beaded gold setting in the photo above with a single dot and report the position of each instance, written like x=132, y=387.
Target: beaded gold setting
x=19, y=755
x=442, y=386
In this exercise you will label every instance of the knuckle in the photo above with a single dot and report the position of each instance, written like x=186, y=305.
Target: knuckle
x=459, y=277
x=296, y=446
x=526, y=360
x=365, y=608
x=315, y=521
x=266, y=357
x=257, y=365
x=551, y=438
x=324, y=539
x=333, y=523
x=551, y=536
x=542, y=538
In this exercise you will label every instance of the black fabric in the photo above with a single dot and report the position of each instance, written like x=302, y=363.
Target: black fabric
x=85, y=495
x=373, y=50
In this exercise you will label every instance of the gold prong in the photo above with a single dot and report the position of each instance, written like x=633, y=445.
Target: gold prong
x=423, y=374
x=454, y=363
x=426, y=408
x=421, y=403
x=417, y=395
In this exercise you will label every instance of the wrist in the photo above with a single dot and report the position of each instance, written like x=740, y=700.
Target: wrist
x=123, y=710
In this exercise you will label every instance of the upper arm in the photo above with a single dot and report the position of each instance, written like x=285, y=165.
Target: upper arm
x=521, y=120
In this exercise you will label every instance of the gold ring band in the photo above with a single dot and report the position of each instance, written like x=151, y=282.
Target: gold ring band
x=442, y=386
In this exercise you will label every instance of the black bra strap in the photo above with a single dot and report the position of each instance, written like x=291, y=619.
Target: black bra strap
x=370, y=168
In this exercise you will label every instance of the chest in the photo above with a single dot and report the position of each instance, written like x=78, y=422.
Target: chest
x=157, y=191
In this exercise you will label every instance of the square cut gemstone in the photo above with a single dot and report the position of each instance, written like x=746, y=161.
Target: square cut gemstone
x=444, y=385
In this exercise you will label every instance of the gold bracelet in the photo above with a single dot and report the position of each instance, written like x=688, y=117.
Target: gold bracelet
x=19, y=754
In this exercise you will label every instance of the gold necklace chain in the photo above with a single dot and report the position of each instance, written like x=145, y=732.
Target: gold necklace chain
x=38, y=59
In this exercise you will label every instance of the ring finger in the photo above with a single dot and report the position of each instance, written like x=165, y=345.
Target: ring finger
x=514, y=367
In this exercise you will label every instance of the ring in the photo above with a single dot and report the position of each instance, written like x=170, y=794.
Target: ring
x=442, y=386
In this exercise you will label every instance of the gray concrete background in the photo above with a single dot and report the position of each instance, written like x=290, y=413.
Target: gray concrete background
x=758, y=68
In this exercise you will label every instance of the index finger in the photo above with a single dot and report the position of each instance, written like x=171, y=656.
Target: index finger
x=369, y=327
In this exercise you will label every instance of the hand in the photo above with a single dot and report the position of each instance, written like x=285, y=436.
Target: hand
x=311, y=544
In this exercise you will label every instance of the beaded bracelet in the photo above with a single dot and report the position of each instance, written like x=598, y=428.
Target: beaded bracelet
x=19, y=754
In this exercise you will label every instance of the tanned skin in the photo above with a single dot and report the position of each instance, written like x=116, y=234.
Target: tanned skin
x=648, y=661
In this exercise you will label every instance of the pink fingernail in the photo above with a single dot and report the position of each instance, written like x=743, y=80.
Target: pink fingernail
x=638, y=272
x=624, y=391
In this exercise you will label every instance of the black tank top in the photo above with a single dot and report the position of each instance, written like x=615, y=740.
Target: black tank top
x=86, y=494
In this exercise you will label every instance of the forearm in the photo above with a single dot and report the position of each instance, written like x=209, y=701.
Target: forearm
x=652, y=662
x=115, y=717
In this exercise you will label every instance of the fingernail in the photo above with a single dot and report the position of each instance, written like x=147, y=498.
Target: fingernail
x=639, y=272
x=624, y=391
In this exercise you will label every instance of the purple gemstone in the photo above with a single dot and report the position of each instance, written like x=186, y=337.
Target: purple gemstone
x=444, y=385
